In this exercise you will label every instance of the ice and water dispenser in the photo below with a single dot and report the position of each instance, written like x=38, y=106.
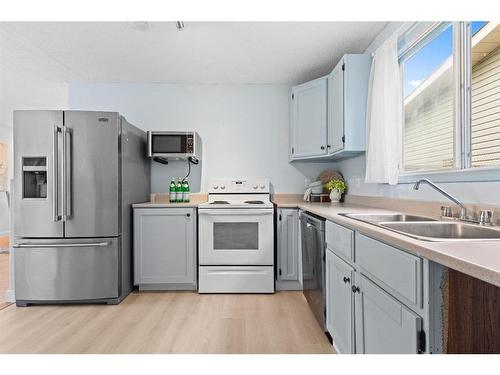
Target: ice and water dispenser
x=34, y=177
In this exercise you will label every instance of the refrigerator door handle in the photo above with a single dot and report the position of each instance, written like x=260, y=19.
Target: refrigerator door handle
x=66, y=173
x=55, y=174
x=75, y=244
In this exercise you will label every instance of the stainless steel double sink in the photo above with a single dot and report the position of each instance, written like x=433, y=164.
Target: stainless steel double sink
x=428, y=229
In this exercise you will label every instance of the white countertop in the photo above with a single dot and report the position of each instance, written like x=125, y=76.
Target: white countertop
x=162, y=201
x=480, y=259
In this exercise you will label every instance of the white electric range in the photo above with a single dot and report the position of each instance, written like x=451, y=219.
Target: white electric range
x=236, y=237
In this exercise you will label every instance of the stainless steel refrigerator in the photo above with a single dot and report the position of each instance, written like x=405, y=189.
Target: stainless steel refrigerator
x=76, y=174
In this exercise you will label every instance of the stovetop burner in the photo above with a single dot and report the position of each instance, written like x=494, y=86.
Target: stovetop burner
x=254, y=202
x=219, y=202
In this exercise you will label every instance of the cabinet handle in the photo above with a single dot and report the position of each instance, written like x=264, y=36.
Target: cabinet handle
x=346, y=280
x=355, y=289
x=322, y=147
x=328, y=146
x=188, y=215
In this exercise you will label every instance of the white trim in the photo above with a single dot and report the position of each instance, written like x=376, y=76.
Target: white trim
x=9, y=296
x=453, y=175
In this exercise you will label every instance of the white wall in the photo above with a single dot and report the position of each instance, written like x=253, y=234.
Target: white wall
x=29, y=79
x=354, y=169
x=244, y=128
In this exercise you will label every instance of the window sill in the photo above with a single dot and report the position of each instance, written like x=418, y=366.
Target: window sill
x=454, y=175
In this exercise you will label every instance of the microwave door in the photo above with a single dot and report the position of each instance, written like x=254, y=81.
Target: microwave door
x=37, y=174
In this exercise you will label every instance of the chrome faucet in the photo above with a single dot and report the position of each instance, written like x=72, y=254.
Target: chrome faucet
x=463, y=210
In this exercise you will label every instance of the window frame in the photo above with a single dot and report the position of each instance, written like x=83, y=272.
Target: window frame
x=410, y=41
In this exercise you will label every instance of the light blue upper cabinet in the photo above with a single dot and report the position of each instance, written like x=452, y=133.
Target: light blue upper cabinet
x=343, y=122
x=308, y=125
x=347, y=95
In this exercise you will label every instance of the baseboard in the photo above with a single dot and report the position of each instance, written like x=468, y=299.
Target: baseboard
x=10, y=296
x=335, y=345
x=288, y=285
x=171, y=287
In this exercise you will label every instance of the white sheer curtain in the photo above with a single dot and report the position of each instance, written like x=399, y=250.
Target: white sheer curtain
x=384, y=116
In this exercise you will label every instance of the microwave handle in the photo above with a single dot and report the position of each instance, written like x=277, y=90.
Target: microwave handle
x=150, y=143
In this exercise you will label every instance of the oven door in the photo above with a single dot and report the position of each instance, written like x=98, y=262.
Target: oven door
x=235, y=236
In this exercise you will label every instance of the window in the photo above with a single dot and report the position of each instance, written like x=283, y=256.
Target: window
x=428, y=103
x=451, y=83
x=485, y=101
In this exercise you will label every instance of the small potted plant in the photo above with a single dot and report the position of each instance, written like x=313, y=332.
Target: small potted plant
x=336, y=188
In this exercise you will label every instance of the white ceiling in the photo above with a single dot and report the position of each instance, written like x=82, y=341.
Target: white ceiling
x=204, y=52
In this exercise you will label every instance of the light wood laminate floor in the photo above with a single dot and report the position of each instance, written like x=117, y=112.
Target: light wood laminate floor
x=167, y=322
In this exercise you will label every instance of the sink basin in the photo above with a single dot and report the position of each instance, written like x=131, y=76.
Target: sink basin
x=443, y=231
x=378, y=218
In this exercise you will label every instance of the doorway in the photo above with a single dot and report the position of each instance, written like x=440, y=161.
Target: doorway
x=4, y=224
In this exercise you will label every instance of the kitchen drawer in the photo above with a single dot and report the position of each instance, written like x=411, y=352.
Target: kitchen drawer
x=340, y=240
x=236, y=279
x=397, y=271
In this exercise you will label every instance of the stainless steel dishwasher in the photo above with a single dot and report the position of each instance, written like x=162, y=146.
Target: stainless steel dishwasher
x=312, y=230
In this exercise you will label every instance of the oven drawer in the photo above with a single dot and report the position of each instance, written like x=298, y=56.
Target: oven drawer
x=236, y=279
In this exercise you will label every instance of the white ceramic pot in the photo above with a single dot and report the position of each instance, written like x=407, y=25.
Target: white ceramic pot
x=335, y=196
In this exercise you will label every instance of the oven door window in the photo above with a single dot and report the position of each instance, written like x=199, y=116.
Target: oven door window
x=236, y=236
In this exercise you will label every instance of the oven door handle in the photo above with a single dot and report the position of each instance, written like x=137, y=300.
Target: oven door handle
x=236, y=211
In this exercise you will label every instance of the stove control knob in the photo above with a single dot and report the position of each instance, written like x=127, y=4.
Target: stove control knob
x=216, y=187
x=262, y=186
x=255, y=186
x=223, y=187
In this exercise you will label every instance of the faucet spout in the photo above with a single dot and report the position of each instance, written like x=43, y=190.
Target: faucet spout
x=463, y=210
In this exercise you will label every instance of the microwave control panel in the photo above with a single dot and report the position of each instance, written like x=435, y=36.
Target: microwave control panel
x=189, y=144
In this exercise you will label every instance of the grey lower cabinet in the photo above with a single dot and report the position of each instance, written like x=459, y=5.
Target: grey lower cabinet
x=379, y=299
x=165, y=248
x=339, y=302
x=383, y=324
x=289, y=258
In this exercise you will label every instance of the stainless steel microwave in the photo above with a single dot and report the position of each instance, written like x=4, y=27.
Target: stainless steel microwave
x=174, y=145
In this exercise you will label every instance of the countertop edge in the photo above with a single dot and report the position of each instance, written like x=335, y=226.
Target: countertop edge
x=405, y=243
x=165, y=205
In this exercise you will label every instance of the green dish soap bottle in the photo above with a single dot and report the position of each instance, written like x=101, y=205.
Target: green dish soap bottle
x=171, y=196
x=185, y=190
x=178, y=191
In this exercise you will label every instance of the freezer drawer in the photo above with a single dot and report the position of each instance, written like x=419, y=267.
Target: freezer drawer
x=66, y=270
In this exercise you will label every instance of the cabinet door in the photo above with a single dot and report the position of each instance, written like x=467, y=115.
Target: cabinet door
x=339, y=302
x=309, y=119
x=288, y=257
x=164, y=246
x=336, y=109
x=383, y=324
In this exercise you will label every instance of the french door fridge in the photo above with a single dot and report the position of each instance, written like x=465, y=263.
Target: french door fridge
x=67, y=206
